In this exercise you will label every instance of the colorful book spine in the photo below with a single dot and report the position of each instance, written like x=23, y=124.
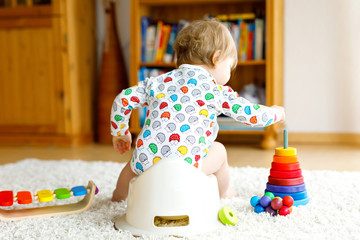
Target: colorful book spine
x=243, y=41
x=150, y=43
x=168, y=56
x=145, y=22
x=259, y=38
x=250, y=45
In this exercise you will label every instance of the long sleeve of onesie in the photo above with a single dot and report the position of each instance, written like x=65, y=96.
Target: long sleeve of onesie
x=242, y=110
x=129, y=99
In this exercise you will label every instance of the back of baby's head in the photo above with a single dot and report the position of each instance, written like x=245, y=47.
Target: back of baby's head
x=197, y=42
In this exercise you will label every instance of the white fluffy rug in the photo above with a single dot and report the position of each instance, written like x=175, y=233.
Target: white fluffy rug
x=333, y=213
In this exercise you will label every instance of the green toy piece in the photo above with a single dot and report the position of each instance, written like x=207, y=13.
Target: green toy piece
x=62, y=193
x=270, y=194
x=228, y=216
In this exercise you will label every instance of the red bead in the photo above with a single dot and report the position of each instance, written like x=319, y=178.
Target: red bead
x=284, y=210
x=288, y=201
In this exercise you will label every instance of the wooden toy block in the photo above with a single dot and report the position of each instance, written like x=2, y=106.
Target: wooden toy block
x=79, y=191
x=62, y=193
x=6, y=198
x=45, y=196
x=24, y=197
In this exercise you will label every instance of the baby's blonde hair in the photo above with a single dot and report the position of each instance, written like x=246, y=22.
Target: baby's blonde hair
x=197, y=43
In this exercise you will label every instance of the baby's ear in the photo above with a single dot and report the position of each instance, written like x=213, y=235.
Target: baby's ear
x=216, y=57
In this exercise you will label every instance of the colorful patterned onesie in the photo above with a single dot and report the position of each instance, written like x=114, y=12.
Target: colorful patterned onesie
x=181, y=120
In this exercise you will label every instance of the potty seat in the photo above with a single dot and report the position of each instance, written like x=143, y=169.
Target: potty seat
x=175, y=193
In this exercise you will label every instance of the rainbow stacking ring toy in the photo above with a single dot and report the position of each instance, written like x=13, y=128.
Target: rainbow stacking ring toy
x=286, y=175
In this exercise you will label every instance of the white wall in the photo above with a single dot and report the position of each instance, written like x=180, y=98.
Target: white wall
x=322, y=66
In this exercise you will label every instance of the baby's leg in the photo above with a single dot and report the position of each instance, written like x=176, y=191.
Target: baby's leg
x=121, y=191
x=216, y=163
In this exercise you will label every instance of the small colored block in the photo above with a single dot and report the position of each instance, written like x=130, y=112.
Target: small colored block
x=62, y=193
x=285, y=159
x=285, y=167
x=285, y=189
x=285, y=174
x=45, y=196
x=6, y=198
x=79, y=191
x=24, y=197
x=286, y=181
x=285, y=152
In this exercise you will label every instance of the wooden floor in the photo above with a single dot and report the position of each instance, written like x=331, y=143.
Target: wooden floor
x=311, y=157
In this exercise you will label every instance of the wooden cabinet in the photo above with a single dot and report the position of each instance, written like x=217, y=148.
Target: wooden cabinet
x=47, y=71
x=267, y=72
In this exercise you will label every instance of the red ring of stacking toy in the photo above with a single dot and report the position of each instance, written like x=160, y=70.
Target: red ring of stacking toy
x=285, y=166
x=285, y=174
x=285, y=159
x=286, y=182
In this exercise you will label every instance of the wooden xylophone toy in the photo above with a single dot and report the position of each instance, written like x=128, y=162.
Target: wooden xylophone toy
x=286, y=176
x=7, y=198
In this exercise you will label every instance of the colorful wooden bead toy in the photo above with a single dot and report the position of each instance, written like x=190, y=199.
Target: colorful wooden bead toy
x=7, y=199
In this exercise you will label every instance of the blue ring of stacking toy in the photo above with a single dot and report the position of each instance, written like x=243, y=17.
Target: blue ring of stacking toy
x=301, y=202
x=296, y=196
x=285, y=189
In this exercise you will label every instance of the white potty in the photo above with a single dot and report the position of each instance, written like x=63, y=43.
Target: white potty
x=171, y=191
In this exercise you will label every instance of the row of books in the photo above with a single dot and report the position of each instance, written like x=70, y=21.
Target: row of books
x=248, y=32
x=158, y=37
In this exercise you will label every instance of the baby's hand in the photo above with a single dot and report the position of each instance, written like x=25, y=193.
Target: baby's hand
x=122, y=144
x=281, y=109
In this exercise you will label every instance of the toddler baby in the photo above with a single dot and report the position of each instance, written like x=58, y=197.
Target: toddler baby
x=183, y=106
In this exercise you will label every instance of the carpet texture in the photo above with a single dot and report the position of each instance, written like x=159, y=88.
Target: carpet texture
x=333, y=211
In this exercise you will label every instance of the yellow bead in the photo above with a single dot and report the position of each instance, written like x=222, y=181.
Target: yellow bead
x=45, y=196
x=285, y=152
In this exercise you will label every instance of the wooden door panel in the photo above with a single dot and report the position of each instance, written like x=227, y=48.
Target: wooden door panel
x=29, y=93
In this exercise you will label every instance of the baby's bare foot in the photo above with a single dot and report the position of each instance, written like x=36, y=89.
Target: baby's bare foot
x=230, y=193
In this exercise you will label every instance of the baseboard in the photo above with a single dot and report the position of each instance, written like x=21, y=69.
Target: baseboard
x=327, y=138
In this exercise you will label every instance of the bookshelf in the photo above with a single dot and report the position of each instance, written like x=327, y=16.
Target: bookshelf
x=267, y=72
